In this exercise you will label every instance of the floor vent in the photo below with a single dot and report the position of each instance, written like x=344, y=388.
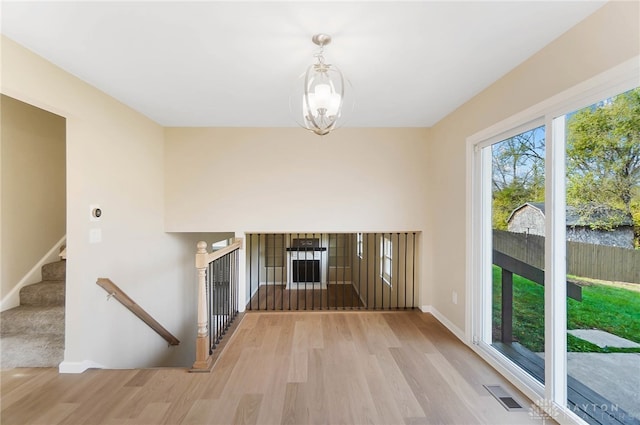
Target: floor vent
x=503, y=396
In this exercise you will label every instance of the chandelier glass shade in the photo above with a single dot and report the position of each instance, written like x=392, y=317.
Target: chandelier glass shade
x=320, y=105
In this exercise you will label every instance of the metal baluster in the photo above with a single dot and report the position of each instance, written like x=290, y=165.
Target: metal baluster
x=360, y=270
x=249, y=248
x=367, y=269
x=227, y=290
x=395, y=248
x=313, y=273
x=265, y=255
x=322, y=255
x=391, y=269
x=298, y=268
x=351, y=289
x=220, y=296
x=382, y=255
x=207, y=279
x=282, y=268
x=375, y=264
x=236, y=269
x=335, y=271
x=413, y=291
x=259, y=242
x=211, y=286
x=405, y=270
x=216, y=296
x=289, y=272
x=344, y=301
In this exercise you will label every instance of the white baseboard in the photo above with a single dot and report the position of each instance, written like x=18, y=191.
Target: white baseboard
x=78, y=367
x=12, y=299
x=459, y=333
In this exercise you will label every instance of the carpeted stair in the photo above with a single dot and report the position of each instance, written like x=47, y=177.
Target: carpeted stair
x=32, y=334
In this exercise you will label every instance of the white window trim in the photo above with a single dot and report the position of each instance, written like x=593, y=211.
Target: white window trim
x=386, y=277
x=616, y=80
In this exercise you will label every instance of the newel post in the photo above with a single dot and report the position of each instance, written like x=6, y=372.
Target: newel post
x=202, y=340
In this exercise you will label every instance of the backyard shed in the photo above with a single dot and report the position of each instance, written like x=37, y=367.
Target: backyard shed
x=529, y=218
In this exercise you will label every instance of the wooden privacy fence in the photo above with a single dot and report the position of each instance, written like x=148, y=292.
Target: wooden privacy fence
x=584, y=260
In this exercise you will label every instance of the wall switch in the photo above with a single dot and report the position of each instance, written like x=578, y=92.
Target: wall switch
x=95, y=235
x=454, y=297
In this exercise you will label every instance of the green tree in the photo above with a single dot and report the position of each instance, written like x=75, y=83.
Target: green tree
x=603, y=158
x=517, y=174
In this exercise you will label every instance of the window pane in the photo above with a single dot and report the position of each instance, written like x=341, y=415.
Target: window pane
x=518, y=228
x=603, y=259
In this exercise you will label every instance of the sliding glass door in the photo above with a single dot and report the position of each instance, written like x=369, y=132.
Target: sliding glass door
x=554, y=246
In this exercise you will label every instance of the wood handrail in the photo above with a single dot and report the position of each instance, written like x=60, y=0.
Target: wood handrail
x=212, y=256
x=511, y=266
x=531, y=273
x=126, y=301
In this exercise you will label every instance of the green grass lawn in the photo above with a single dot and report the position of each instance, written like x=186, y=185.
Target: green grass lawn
x=611, y=309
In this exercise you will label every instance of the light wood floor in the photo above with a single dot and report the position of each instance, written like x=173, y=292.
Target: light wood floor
x=276, y=297
x=284, y=368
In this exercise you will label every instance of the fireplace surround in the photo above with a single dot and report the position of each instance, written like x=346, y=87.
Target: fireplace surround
x=306, y=264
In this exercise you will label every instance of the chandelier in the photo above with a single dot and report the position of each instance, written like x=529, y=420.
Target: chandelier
x=323, y=93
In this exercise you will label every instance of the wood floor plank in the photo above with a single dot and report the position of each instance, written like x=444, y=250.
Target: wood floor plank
x=99, y=408
x=20, y=383
x=141, y=378
x=151, y=414
x=185, y=400
x=247, y=410
x=403, y=397
x=12, y=379
x=318, y=406
x=165, y=386
x=422, y=376
x=200, y=412
x=317, y=367
x=294, y=411
x=40, y=398
x=271, y=408
x=57, y=414
x=298, y=361
x=381, y=392
x=245, y=370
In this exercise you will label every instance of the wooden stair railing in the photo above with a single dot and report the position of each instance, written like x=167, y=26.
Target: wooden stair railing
x=117, y=293
x=203, y=259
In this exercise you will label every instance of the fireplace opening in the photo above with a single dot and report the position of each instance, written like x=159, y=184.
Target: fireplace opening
x=306, y=271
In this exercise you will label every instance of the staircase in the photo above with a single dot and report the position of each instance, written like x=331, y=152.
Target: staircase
x=32, y=334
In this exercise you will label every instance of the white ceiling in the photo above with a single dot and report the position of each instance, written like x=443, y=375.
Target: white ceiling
x=234, y=63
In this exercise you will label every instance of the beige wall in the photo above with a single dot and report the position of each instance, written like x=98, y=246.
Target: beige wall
x=607, y=38
x=33, y=187
x=290, y=180
x=115, y=158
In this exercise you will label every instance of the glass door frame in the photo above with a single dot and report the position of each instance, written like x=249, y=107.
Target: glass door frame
x=551, y=113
